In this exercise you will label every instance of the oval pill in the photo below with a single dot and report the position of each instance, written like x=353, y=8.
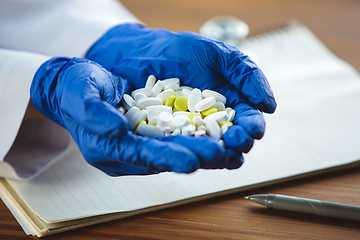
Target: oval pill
x=171, y=81
x=157, y=88
x=180, y=121
x=159, y=108
x=205, y=104
x=145, y=91
x=149, y=131
x=188, y=130
x=130, y=114
x=150, y=82
x=180, y=103
x=165, y=94
x=146, y=102
x=220, y=117
x=140, y=116
x=219, y=106
x=209, y=111
x=213, y=129
x=128, y=102
x=164, y=119
x=139, y=96
x=194, y=98
x=198, y=121
x=200, y=133
x=173, y=86
x=218, y=96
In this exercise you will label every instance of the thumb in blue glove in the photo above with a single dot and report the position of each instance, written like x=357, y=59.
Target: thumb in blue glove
x=135, y=52
x=82, y=96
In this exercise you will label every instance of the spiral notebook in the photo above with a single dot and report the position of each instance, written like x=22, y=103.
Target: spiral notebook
x=315, y=129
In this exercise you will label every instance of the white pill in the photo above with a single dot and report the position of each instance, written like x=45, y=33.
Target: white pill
x=171, y=80
x=168, y=129
x=152, y=114
x=167, y=133
x=177, y=131
x=218, y=105
x=205, y=104
x=200, y=133
x=186, y=92
x=140, y=116
x=224, y=128
x=198, y=121
x=185, y=113
x=213, y=129
x=128, y=102
x=158, y=87
x=194, y=98
x=139, y=96
x=209, y=93
x=185, y=87
x=145, y=91
x=201, y=127
x=231, y=115
x=188, y=130
x=180, y=121
x=150, y=82
x=122, y=110
x=179, y=93
x=173, y=86
x=165, y=118
x=222, y=143
x=130, y=114
x=150, y=101
x=149, y=131
x=165, y=94
x=159, y=108
x=219, y=117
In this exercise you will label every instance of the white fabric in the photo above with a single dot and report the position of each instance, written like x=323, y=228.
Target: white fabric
x=50, y=28
x=53, y=28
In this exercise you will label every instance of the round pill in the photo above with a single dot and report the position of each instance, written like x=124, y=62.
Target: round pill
x=150, y=82
x=128, y=102
x=165, y=118
x=170, y=101
x=205, y=104
x=194, y=98
x=150, y=101
x=209, y=111
x=180, y=121
x=181, y=103
x=149, y=131
x=209, y=93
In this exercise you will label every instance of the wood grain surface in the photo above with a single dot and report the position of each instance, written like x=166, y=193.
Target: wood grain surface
x=336, y=23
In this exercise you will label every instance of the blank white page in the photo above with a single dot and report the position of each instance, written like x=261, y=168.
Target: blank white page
x=316, y=126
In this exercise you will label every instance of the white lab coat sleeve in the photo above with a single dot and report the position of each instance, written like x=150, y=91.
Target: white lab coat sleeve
x=58, y=28
x=48, y=28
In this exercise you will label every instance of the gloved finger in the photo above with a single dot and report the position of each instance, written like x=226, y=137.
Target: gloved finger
x=132, y=154
x=238, y=139
x=89, y=96
x=210, y=153
x=246, y=77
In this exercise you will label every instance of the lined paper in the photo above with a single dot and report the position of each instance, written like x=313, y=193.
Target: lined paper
x=316, y=126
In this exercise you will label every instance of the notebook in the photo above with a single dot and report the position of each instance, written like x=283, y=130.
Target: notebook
x=315, y=129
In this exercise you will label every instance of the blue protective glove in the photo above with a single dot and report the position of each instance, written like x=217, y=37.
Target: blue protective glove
x=134, y=52
x=83, y=97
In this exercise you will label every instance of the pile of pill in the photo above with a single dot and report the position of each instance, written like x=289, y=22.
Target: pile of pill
x=164, y=108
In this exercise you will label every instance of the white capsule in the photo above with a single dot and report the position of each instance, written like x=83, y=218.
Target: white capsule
x=171, y=80
x=165, y=118
x=209, y=93
x=128, y=102
x=180, y=121
x=188, y=130
x=158, y=87
x=219, y=106
x=213, y=129
x=140, y=116
x=177, y=131
x=173, y=86
x=130, y=114
x=146, y=102
x=219, y=117
x=205, y=104
x=200, y=133
x=159, y=108
x=145, y=91
x=150, y=82
x=149, y=131
x=198, y=121
x=165, y=94
x=139, y=96
x=194, y=98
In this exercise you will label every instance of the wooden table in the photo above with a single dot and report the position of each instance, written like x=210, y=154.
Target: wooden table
x=336, y=23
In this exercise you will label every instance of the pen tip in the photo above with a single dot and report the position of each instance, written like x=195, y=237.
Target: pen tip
x=247, y=197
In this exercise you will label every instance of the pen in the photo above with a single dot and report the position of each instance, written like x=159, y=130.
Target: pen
x=305, y=205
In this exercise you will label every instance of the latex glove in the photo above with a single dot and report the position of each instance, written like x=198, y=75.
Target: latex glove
x=83, y=97
x=134, y=52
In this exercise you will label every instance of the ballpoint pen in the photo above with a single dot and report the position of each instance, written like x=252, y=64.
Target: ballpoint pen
x=305, y=205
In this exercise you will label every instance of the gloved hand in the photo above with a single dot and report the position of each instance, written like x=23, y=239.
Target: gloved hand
x=83, y=97
x=134, y=52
